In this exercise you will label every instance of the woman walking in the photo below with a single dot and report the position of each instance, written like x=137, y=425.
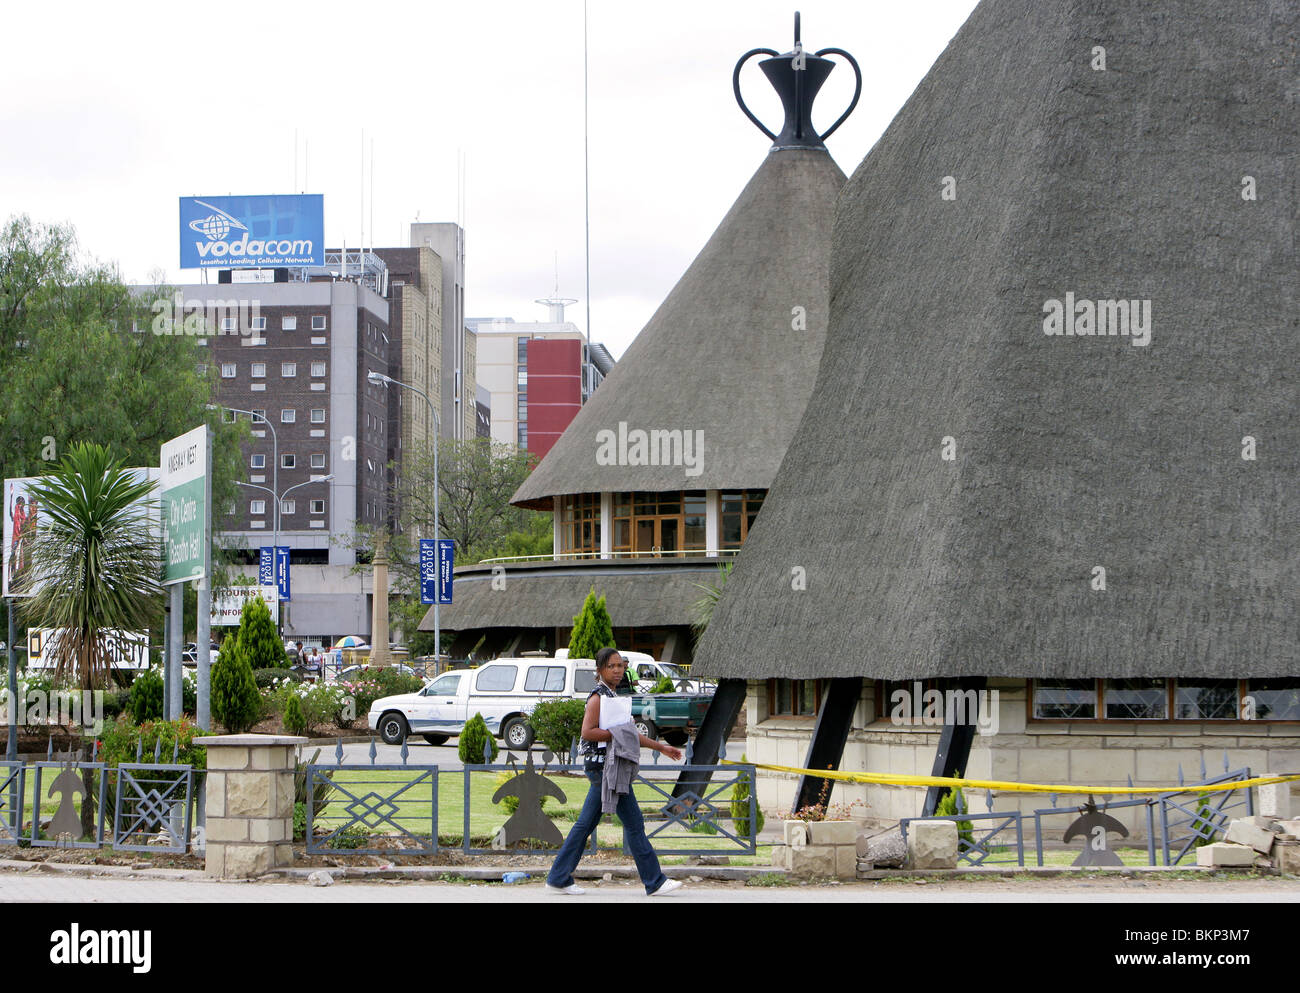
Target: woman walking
x=610, y=667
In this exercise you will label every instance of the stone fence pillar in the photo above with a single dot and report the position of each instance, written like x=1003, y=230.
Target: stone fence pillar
x=249, y=796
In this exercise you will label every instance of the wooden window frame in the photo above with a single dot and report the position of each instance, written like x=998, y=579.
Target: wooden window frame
x=1170, y=712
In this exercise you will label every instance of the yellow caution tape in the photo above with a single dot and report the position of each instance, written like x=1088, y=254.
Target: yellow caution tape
x=889, y=779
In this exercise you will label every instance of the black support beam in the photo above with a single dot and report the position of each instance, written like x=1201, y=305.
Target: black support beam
x=953, y=753
x=834, y=720
x=714, y=730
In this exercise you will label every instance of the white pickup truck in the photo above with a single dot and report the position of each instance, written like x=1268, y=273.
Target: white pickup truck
x=504, y=691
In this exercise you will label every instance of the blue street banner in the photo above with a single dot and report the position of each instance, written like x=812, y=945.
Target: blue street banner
x=446, y=562
x=428, y=570
x=265, y=571
x=256, y=231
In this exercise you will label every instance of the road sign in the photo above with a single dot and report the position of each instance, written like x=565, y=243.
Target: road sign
x=184, y=487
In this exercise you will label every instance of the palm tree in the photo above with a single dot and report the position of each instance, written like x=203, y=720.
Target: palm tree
x=702, y=609
x=96, y=562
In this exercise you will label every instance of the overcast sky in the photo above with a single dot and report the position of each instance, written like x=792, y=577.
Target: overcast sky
x=109, y=113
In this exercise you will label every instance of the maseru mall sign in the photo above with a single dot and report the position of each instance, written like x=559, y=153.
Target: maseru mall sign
x=232, y=232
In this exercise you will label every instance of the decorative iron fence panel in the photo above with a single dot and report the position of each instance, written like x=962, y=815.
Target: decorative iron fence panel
x=700, y=816
x=13, y=776
x=388, y=796
x=154, y=800
x=66, y=822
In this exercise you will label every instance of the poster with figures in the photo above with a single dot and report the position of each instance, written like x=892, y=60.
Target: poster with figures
x=22, y=513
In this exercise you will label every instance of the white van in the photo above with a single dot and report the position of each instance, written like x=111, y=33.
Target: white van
x=504, y=691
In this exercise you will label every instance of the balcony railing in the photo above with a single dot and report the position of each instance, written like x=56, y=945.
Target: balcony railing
x=687, y=553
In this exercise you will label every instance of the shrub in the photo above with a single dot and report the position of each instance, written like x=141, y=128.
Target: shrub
x=592, y=629
x=664, y=684
x=257, y=637
x=556, y=723
x=267, y=678
x=472, y=741
x=116, y=703
x=118, y=741
x=295, y=721
x=146, y=700
x=948, y=807
x=235, y=700
x=740, y=805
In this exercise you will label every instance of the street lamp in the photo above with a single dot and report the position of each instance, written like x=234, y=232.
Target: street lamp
x=275, y=523
x=379, y=379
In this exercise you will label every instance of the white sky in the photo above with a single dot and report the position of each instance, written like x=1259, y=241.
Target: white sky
x=109, y=113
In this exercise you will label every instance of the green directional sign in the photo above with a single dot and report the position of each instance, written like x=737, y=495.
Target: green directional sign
x=184, y=488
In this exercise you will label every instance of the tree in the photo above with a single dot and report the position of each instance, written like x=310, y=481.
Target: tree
x=95, y=561
x=236, y=702
x=592, y=629
x=75, y=370
x=257, y=636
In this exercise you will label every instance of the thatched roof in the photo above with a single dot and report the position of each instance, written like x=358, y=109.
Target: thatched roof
x=638, y=593
x=1072, y=452
x=719, y=355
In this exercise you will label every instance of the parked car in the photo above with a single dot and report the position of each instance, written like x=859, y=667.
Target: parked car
x=504, y=691
x=355, y=672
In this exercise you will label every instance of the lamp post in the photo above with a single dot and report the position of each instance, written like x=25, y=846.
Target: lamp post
x=379, y=379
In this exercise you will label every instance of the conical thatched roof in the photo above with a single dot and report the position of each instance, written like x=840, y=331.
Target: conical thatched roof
x=719, y=356
x=1071, y=452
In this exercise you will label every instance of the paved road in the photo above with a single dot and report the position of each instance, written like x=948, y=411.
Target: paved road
x=35, y=886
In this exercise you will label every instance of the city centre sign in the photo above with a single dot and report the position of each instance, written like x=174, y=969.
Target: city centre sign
x=185, y=502
x=232, y=232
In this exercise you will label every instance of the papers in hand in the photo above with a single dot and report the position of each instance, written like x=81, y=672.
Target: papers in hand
x=615, y=711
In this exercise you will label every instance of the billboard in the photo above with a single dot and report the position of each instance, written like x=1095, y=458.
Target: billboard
x=230, y=232
x=228, y=605
x=185, y=506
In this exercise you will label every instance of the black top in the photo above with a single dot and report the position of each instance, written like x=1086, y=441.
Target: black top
x=593, y=752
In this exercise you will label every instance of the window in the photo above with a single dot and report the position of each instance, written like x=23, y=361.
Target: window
x=288, y=324
x=521, y=408
x=288, y=506
x=318, y=322
x=580, y=523
x=228, y=370
x=288, y=462
x=258, y=323
x=1136, y=699
x=443, y=685
x=521, y=351
x=521, y=436
x=288, y=369
x=584, y=681
x=544, y=679
x=257, y=462
x=496, y=679
x=318, y=506
x=259, y=370
x=793, y=697
x=318, y=460
x=1272, y=699
x=259, y=415
x=1205, y=700
x=739, y=509
x=666, y=523
x=318, y=369
x=229, y=324
x=288, y=415
x=318, y=415
x=1065, y=699
x=257, y=507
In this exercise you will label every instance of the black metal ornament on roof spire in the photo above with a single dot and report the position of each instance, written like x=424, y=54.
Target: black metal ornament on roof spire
x=797, y=77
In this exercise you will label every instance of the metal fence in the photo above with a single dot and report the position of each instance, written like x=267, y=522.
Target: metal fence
x=1177, y=822
x=414, y=809
x=137, y=806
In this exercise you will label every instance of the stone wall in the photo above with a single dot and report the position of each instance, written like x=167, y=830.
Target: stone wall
x=1080, y=753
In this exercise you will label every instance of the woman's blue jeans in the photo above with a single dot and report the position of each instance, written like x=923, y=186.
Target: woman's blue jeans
x=647, y=863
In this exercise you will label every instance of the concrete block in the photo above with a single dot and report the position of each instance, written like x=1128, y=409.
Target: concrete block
x=932, y=845
x=214, y=859
x=781, y=857
x=283, y=854
x=215, y=787
x=796, y=834
x=1286, y=853
x=242, y=861
x=846, y=862
x=267, y=831
x=1160, y=766
x=1223, y=855
x=248, y=795
x=885, y=850
x=1101, y=766
x=227, y=829
x=227, y=757
x=1243, y=831
x=815, y=861
x=274, y=757
x=833, y=832
x=1044, y=766
x=1275, y=801
x=1291, y=827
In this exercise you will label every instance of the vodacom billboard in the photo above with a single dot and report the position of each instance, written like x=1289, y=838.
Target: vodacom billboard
x=231, y=232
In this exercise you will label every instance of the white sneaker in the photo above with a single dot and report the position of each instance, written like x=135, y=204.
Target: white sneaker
x=669, y=886
x=573, y=889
